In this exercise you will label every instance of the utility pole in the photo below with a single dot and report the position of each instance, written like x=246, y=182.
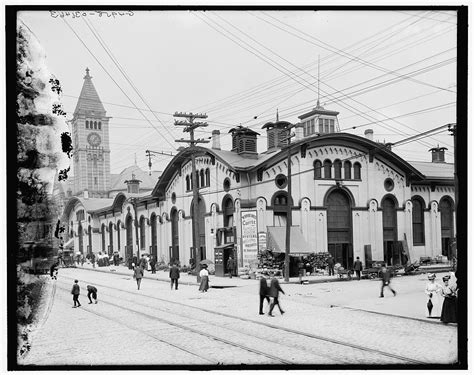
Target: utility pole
x=190, y=126
x=288, y=207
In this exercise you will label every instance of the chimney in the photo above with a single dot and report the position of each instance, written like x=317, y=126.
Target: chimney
x=369, y=134
x=299, y=132
x=437, y=154
x=86, y=194
x=133, y=185
x=216, y=139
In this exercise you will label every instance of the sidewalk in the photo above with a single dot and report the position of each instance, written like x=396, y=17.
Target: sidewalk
x=227, y=282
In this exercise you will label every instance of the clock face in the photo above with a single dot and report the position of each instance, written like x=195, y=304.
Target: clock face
x=94, y=139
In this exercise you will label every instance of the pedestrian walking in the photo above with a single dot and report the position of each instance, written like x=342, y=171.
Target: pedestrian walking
x=75, y=291
x=116, y=258
x=231, y=266
x=385, y=277
x=330, y=262
x=263, y=292
x=135, y=259
x=273, y=292
x=153, y=264
x=143, y=263
x=174, y=276
x=53, y=271
x=449, y=310
x=433, y=291
x=357, y=267
x=204, y=274
x=137, y=274
x=93, y=260
x=91, y=291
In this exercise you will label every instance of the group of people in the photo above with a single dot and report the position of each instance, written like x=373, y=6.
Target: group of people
x=266, y=292
x=446, y=310
x=76, y=291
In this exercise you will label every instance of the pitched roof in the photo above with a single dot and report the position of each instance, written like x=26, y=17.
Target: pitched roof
x=117, y=181
x=89, y=100
x=434, y=170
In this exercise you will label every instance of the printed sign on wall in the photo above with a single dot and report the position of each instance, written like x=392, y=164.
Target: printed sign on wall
x=249, y=237
x=262, y=241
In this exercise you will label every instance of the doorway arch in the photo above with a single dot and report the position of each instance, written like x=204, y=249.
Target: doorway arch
x=129, y=235
x=389, y=219
x=339, y=224
x=446, y=209
x=174, y=252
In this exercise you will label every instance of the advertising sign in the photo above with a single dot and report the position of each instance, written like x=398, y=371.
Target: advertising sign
x=249, y=237
x=262, y=241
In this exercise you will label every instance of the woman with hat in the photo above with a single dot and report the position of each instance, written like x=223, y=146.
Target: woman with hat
x=449, y=310
x=433, y=290
x=204, y=274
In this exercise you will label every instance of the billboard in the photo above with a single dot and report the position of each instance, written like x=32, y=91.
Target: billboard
x=249, y=237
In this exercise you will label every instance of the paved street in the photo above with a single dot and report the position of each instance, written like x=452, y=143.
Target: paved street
x=324, y=323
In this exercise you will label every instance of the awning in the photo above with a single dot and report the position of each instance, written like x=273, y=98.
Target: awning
x=224, y=246
x=69, y=244
x=298, y=245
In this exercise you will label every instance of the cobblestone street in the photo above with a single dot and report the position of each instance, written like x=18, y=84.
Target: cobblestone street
x=326, y=323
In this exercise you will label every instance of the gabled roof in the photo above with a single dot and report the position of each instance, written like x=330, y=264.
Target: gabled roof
x=89, y=100
x=117, y=181
x=434, y=170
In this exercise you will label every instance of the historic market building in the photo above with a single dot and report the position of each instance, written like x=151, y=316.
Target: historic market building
x=350, y=196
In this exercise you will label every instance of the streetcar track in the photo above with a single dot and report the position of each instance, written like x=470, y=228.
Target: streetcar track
x=199, y=332
x=310, y=335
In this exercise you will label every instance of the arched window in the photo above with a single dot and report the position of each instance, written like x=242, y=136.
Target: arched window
x=446, y=210
x=280, y=207
x=197, y=180
x=154, y=239
x=100, y=125
x=337, y=168
x=317, y=169
x=327, y=168
x=174, y=235
x=208, y=177
x=87, y=124
x=357, y=171
x=228, y=213
x=389, y=222
x=95, y=124
x=203, y=181
x=347, y=170
x=103, y=237
x=119, y=223
x=188, y=185
x=142, y=233
x=418, y=221
x=111, y=238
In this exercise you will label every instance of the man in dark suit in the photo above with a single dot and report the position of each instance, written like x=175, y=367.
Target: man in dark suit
x=231, y=266
x=263, y=293
x=330, y=262
x=273, y=292
x=174, y=276
x=358, y=267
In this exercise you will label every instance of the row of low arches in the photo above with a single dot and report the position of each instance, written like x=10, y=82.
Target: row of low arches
x=93, y=125
x=345, y=170
x=203, y=179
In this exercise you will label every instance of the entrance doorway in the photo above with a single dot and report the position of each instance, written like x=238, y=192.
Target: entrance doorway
x=389, y=219
x=339, y=223
x=129, y=225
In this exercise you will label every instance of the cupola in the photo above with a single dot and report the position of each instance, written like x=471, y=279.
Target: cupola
x=319, y=121
x=437, y=154
x=133, y=185
x=244, y=141
x=277, y=134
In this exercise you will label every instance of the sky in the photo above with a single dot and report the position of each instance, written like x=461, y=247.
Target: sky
x=391, y=71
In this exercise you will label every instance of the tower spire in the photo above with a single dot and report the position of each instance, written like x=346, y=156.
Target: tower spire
x=277, y=118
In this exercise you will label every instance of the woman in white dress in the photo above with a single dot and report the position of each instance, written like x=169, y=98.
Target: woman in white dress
x=204, y=274
x=433, y=291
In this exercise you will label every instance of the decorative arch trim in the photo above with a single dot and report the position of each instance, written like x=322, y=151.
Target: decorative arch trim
x=278, y=193
x=390, y=196
x=343, y=189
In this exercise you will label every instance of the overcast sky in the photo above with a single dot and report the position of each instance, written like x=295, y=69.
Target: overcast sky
x=391, y=71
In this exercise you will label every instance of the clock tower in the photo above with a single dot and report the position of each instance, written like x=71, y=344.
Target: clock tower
x=90, y=136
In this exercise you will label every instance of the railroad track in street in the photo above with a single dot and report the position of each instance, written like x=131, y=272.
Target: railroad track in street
x=292, y=346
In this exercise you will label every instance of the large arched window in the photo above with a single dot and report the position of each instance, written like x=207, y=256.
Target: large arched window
x=174, y=255
x=347, y=170
x=327, y=168
x=80, y=234
x=142, y=233
x=357, y=171
x=337, y=169
x=208, y=177
x=317, y=169
x=197, y=180
x=129, y=234
x=89, y=234
x=389, y=220
x=446, y=209
x=280, y=207
x=228, y=212
x=418, y=221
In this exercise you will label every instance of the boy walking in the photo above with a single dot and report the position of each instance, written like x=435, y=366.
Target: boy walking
x=91, y=291
x=174, y=276
x=75, y=291
x=386, y=282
